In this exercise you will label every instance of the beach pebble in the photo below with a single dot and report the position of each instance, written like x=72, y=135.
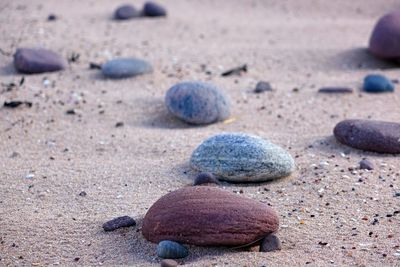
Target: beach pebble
x=126, y=12
x=152, y=9
x=205, y=178
x=335, y=90
x=270, y=243
x=208, y=216
x=369, y=135
x=125, y=67
x=376, y=83
x=168, y=263
x=262, y=87
x=37, y=60
x=197, y=102
x=239, y=157
x=385, y=38
x=119, y=222
x=167, y=249
x=366, y=165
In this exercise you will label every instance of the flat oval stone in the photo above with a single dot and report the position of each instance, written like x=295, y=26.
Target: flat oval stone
x=369, y=135
x=167, y=249
x=208, y=216
x=152, y=9
x=197, y=102
x=125, y=67
x=37, y=60
x=126, y=12
x=335, y=90
x=385, y=38
x=239, y=157
x=376, y=83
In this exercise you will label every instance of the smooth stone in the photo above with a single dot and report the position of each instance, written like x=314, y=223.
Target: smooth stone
x=239, y=157
x=168, y=263
x=37, y=60
x=385, y=37
x=126, y=12
x=152, y=9
x=270, y=243
x=335, y=90
x=119, y=222
x=125, y=67
x=366, y=165
x=262, y=87
x=369, y=135
x=197, y=102
x=208, y=216
x=376, y=83
x=205, y=178
x=167, y=249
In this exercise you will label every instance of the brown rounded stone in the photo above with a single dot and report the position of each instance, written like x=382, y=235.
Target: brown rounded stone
x=208, y=216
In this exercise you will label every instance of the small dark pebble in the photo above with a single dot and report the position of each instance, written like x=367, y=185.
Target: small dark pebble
x=83, y=194
x=152, y=9
x=119, y=222
x=70, y=112
x=397, y=194
x=335, y=90
x=262, y=87
x=119, y=124
x=15, y=104
x=205, y=178
x=77, y=259
x=322, y=243
x=270, y=243
x=168, y=263
x=366, y=165
x=94, y=66
x=51, y=17
x=235, y=71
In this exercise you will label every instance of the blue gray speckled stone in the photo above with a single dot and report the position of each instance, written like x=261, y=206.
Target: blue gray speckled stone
x=239, y=157
x=125, y=67
x=171, y=250
x=197, y=102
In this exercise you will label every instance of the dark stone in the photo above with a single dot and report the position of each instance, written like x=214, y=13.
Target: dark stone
x=167, y=249
x=385, y=38
x=168, y=263
x=37, y=60
x=335, y=90
x=51, y=17
x=205, y=178
x=119, y=222
x=152, y=9
x=126, y=12
x=366, y=165
x=15, y=104
x=376, y=83
x=270, y=243
x=262, y=87
x=235, y=71
x=369, y=135
x=125, y=67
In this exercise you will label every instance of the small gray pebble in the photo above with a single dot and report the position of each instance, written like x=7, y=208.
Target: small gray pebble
x=119, y=222
x=366, y=165
x=270, y=243
x=262, y=87
x=171, y=250
x=126, y=12
x=125, y=67
x=205, y=178
x=152, y=9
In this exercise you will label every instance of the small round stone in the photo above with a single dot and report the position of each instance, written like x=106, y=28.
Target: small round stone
x=376, y=83
x=171, y=250
x=125, y=67
x=168, y=263
x=239, y=157
x=152, y=9
x=205, y=178
x=262, y=87
x=366, y=165
x=37, y=60
x=270, y=243
x=197, y=102
x=385, y=37
x=126, y=12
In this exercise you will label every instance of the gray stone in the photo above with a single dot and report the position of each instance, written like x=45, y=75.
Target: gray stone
x=167, y=249
x=239, y=157
x=262, y=86
x=366, y=165
x=270, y=243
x=125, y=67
x=126, y=12
x=197, y=102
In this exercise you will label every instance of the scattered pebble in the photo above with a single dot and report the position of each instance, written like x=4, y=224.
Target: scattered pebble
x=262, y=87
x=235, y=71
x=205, y=178
x=125, y=12
x=366, y=165
x=29, y=176
x=369, y=135
x=168, y=263
x=125, y=67
x=397, y=194
x=51, y=17
x=15, y=104
x=270, y=243
x=152, y=9
x=335, y=90
x=119, y=222
x=83, y=194
x=239, y=157
x=119, y=124
x=37, y=60
x=376, y=83
x=197, y=102
x=167, y=249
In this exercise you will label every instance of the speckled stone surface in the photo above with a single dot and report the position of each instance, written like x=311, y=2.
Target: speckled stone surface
x=239, y=157
x=125, y=67
x=197, y=102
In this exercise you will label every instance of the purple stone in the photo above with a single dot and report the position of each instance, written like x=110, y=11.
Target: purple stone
x=37, y=60
x=126, y=12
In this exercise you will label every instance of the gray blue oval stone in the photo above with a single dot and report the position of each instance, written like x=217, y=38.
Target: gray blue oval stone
x=171, y=250
x=126, y=12
x=239, y=157
x=197, y=102
x=125, y=67
x=376, y=83
x=37, y=60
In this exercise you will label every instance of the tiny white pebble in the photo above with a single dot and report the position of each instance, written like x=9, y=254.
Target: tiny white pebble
x=29, y=176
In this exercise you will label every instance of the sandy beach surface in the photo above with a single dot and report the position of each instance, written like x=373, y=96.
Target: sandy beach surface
x=330, y=214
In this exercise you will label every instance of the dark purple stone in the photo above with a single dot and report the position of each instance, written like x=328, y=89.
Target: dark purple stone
x=126, y=12
x=369, y=135
x=152, y=9
x=335, y=90
x=37, y=60
x=366, y=165
x=385, y=38
x=119, y=222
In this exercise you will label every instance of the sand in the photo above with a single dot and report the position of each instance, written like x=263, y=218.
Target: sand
x=291, y=44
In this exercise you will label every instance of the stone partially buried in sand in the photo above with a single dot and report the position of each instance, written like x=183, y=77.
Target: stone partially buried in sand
x=369, y=135
x=37, y=60
x=385, y=38
x=167, y=249
x=197, y=102
x=125, y=67
x=125, y=12
x=239, y=157
x=208, y=216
